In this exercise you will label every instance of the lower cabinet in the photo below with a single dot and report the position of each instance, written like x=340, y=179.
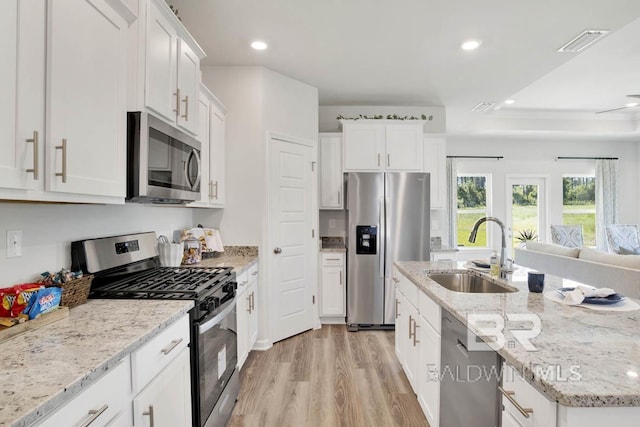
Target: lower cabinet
x=333, y=294
x=166, y=401
x=522, y=404
x=246, y=312
x=429, y=371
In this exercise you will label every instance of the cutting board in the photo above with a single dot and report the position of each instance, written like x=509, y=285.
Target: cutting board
x=38, y=322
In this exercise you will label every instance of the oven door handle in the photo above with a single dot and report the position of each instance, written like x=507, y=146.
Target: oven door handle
x=204, y=327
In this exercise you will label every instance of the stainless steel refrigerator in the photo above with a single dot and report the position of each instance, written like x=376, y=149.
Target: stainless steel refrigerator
x=388, y=220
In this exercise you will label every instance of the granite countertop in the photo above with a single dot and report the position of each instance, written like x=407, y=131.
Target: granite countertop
x=45, y=367
x=602, y=347
x=332, y=244
x=238, y=257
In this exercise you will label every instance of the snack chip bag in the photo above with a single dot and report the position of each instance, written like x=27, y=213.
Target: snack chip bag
x=43, y=301
x=23, y=294
x=7, y=295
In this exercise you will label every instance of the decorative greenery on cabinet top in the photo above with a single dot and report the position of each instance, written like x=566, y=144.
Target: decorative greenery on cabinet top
x=387, y=117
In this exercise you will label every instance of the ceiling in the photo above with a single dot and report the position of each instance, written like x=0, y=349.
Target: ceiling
x=407, y=52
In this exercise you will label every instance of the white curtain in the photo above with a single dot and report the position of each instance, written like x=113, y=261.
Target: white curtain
x=452, y=202
x=606, y=198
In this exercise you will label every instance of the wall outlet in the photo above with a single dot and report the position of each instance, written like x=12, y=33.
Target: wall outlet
x=332, y=223
x=14, y=243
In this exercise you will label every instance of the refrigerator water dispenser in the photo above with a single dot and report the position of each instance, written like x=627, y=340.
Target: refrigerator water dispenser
x=366, y=239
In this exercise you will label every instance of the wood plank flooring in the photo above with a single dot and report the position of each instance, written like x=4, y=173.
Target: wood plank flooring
x=324, y=378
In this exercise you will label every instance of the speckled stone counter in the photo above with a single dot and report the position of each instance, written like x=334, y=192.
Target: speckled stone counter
x=332, y=244
x=238, y=257
x=604, y=346
x=43, y=368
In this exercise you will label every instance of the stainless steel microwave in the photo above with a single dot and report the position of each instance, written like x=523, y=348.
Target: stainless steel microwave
x=163, y=163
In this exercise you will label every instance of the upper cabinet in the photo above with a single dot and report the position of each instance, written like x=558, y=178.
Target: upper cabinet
x=435, y=164
x=212, y=135
x=167, y=67
x=63, y=100
x=331, y=180
x=371, y=146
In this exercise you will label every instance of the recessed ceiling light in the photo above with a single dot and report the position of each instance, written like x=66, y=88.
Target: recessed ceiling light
x=470, y=45
x=510, y=101
x=632, y=374
x=632, y=104
x=258, y=45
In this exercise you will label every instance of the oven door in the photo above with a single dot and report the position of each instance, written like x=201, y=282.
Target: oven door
x=164, y=163
x=217, y=359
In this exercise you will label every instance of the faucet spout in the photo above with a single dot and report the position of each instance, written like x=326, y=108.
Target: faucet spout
x=474, y=234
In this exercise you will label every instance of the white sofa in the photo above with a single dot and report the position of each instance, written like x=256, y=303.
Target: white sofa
x=586, y=265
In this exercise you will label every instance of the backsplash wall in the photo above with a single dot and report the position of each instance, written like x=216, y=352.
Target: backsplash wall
x=47, y=231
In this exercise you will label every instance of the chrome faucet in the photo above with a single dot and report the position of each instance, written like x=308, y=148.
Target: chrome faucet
x=474, y=234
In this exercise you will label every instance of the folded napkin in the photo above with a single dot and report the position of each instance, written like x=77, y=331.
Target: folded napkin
x=580, y=292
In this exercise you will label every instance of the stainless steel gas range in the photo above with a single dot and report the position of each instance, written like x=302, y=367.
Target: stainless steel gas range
x=127, y=267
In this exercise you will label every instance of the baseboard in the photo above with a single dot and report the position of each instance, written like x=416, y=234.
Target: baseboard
x=341, y=320
x=262, y=345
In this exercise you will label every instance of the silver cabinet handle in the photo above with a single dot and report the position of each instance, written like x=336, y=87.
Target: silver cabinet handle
x=249, y=302
x=397, y=311
x=35, y=154
x=388, y=160
x=94, y=414
x=215, y=195
x=255, y=273
x=332, y=259
x=253, y=301
x=395, y=280
x=415, y=327
x=410, y=321
x=509, y=395
x=185, y=116
x=173, y=344
x=210, y=190
x=378, y=159
x=150, y=414
x=177, y=109
x=338, y=196
x=277, y=251
x=63, y=147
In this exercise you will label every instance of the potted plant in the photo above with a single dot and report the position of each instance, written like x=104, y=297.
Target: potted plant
x=525, y=235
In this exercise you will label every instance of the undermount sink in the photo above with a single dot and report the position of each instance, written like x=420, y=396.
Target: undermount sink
x=469, y=283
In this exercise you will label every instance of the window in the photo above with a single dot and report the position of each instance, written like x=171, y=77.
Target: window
x=579, y=205
x=473, y=198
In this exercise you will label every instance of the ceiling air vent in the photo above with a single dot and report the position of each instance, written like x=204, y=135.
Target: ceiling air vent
x=586, y=38
x=484, y=107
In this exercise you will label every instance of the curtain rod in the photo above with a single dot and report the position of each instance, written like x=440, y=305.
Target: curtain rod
x=586, y=158
x=476, y=157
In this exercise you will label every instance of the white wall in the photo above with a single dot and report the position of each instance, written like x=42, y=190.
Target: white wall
x=48, y=230
x=329, y=123
x=536, y=156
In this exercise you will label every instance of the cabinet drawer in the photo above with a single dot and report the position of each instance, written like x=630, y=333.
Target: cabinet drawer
x=332, y=260
x=429, y=310
x=527, y=397
x=150, y=359
x=243, y=281
x=104, y=402
x=253, y=273
x=409, y=289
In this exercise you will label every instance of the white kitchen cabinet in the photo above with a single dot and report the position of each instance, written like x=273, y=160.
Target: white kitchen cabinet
x=22, y=93
x=372, y=146
x=428, y=370
x=66, y=101
x=165, y=67
x=522, y=404
x=166, y=400
x=332, y=288
x=103, y=403
x=246, y=314
x=331, y=178
x=212, y=135
x=435, y=164
x=401, y=330
x=412, y=363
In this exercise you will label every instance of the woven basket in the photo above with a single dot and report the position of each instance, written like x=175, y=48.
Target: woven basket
x=75, y=292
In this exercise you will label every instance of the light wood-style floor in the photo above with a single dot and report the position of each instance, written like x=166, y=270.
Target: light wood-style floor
x=328, y=377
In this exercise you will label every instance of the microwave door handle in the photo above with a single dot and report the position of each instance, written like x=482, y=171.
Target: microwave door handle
x=197, y=157
x=192, y=154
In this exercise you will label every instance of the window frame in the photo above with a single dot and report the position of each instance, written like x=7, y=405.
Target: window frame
x=489, y=204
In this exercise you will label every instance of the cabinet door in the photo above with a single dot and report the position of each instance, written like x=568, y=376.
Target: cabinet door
x=242, y=318
x=508, y=420
x=401, y=326
x=189, y=84
x=161, y=65
x=363, y=147
x=429, y=371
x=404, y=148
x=333, y=302
x=22, y=93
x=412, y=354
x=217, y=157
x=86, y=98
x=331, y=180
x=435, y=165
x=253, y=315
x=166, y=400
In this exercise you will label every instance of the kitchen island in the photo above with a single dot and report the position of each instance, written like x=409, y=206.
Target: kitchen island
x=583, y=359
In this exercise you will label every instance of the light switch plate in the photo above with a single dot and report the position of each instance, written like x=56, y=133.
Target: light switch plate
x=332, y=223
x=14, y=243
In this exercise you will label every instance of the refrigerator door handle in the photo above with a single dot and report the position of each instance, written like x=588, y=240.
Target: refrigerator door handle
x=381, y=236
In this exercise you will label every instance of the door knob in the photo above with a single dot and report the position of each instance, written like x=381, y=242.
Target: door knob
x=277, y=251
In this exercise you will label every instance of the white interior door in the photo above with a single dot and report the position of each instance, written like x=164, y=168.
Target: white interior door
x=526, y=209
x=293, y=281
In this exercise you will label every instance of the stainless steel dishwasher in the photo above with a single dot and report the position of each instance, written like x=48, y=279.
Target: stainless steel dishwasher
x=469, y=387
